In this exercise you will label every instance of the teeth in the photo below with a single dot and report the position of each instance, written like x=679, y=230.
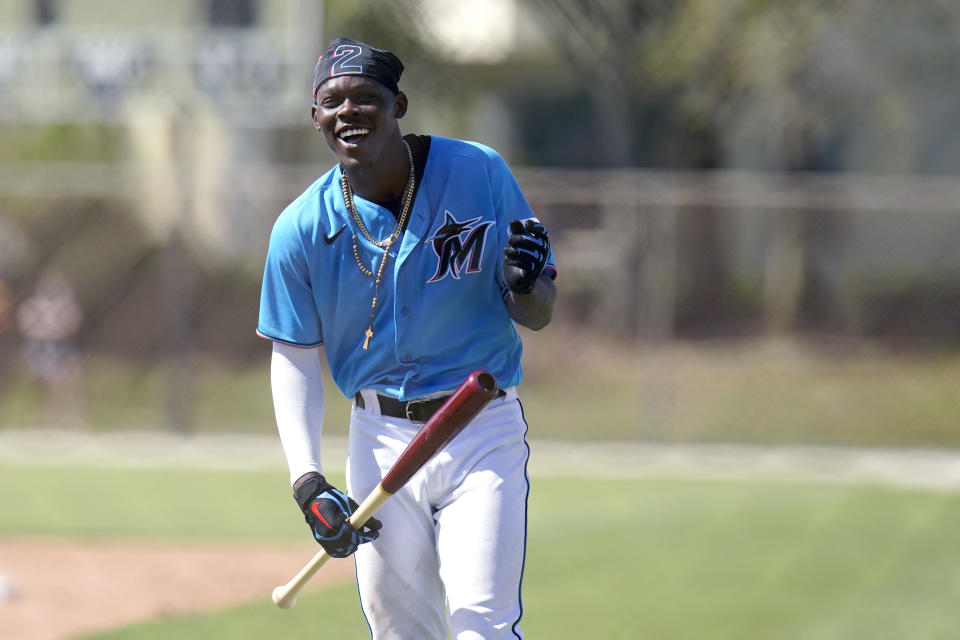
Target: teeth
x=354, y=132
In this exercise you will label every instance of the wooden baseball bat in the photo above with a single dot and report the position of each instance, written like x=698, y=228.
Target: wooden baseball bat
x=453, y=415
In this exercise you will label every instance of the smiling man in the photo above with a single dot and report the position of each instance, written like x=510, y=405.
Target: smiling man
x=410, y=262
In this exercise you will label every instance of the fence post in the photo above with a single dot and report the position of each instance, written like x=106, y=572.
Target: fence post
x=656, y=281
x=783, y=272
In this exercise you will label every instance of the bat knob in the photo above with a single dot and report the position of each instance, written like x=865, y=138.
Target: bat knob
x=281, y=600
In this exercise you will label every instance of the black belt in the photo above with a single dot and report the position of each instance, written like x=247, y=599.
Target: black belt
x=412, y=410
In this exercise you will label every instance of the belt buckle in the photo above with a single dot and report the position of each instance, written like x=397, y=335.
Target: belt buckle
x=408, y=409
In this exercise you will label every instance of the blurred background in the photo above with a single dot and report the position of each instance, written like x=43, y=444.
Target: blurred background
x=754, y=205
x=751, y=377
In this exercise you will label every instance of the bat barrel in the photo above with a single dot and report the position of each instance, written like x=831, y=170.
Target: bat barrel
x=485, y=382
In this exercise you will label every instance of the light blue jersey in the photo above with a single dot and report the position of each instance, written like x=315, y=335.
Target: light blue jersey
x=441, y=312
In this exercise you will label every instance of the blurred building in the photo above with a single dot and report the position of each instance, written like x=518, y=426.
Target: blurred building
x=194, y=88
x=210, y=98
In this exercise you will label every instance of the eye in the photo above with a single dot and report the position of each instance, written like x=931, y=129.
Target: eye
x=330, y=102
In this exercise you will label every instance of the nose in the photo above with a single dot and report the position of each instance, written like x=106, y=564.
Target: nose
x=348, y=106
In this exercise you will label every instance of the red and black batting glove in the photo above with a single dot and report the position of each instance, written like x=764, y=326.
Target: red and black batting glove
x=525, y=255
x=326, y=510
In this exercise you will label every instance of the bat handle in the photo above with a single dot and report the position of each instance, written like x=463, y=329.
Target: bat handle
x=285, y=596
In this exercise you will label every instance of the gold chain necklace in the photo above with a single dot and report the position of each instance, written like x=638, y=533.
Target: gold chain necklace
x=384, y=244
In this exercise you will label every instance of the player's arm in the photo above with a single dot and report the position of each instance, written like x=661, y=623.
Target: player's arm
x=297, y=385
x=534, y=310
x=532, y=291
x=296, y=381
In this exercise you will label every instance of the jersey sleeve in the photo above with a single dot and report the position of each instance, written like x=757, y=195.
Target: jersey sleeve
x=288, y=312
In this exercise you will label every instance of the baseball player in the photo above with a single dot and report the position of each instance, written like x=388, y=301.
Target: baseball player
x=410, y=262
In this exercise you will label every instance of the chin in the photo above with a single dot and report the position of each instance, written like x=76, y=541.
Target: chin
x=357, y=158
x=350, y=160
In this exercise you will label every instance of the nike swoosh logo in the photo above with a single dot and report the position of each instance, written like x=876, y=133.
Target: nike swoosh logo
x=330, y=239
x=314, y=506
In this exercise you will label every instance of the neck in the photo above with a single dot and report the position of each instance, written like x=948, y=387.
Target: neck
x=383, y=180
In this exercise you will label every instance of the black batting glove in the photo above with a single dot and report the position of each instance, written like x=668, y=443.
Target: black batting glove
x=326, y=510
x=525, y=255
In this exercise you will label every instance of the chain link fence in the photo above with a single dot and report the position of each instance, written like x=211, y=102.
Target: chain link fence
x=795, y=181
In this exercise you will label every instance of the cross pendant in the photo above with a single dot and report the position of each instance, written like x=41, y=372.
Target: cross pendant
x=369, y=334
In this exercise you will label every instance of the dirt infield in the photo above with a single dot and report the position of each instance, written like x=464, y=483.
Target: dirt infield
x=56, y=589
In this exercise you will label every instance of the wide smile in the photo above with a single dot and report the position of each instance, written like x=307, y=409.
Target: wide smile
x=352, y=136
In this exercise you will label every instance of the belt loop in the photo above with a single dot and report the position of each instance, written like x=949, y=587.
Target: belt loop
x=370, y=401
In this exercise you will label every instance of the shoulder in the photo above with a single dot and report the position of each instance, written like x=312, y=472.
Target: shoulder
x=309, y=211
x=452, y=147
x=471, y=159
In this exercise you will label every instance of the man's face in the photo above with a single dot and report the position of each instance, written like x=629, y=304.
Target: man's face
x=358, y=117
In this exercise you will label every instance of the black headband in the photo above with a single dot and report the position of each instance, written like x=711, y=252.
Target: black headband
x=345, y=57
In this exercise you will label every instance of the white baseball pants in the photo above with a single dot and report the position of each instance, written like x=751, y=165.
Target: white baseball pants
x=451, y=552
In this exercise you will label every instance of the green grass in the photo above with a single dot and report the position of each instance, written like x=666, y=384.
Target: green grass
x=175, y=504
x=613, y=558
x=756, y=392
x=120, y=397
x=587, y=387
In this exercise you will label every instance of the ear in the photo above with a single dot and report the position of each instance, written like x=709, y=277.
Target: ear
x=400, y=105
x=313, y=116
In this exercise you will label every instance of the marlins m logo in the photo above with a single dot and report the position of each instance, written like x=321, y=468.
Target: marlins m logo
x=459, y=246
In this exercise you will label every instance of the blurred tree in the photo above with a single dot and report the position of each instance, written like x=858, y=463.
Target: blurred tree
x=814, y=86
x=442, y=91
x=231, y=13
x=45, y=12
x=762, y=85
x=603, y=42
x=741, y=68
